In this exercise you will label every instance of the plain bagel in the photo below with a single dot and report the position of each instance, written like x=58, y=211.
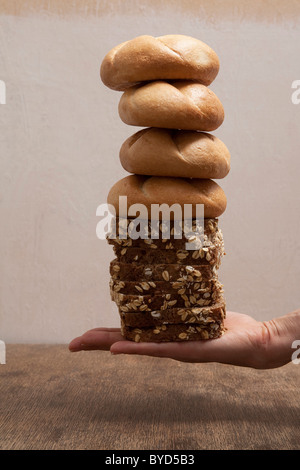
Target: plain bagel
x=173, y=105
x=170, y=57
x=149, y=190
x=167, y=152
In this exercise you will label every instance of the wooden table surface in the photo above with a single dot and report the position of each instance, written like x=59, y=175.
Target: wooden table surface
x=53, y=399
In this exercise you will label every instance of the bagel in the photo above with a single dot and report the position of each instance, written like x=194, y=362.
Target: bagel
x=147, y=58
x=173, y=105
x=165, y=152
x=148, y=190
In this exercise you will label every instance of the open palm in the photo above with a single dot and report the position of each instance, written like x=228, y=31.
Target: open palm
x=246, y=342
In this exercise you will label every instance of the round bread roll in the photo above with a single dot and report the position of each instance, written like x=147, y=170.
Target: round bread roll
x=177, y=105
x=170, y=57
x=165, y=152
x=149, y=190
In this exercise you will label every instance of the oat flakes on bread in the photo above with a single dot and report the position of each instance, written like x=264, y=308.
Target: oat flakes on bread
x=173, y=332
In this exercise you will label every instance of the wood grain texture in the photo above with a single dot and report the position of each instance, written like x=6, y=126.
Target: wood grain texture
x=53, y=399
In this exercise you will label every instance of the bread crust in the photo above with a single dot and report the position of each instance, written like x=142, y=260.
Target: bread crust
x=183, y=105
x=148, y=58
x=166, y=152
x=148, y=190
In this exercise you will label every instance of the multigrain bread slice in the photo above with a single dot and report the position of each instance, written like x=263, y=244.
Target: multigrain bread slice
x=140, y=239
x=206, y=255
x=161, y=272
x=144, y=302
x=173, y=332
x=183, y=228
x=164, y=234
x=195, y=243
x=181, y=287
x=175, y=315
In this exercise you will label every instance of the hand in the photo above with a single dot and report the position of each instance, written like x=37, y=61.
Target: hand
x=246, y=342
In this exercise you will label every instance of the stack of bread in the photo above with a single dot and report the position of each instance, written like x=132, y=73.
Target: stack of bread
x=164, y=291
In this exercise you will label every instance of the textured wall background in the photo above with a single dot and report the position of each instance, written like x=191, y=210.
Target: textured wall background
x=60, y=138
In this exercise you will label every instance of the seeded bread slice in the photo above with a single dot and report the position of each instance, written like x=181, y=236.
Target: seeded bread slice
x=166, y=244
x=161, y=272
x=123, y=227
x=174, y=315
x=128, y=302
x=181, y=287
x=169, y=239
x=206, y=255
x=174, y=332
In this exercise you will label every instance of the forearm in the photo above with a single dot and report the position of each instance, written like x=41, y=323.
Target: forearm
x=283, y=331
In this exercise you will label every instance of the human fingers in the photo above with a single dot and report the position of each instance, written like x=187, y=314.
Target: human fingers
x=185, y=351
x=234, y=347
x=96, y=339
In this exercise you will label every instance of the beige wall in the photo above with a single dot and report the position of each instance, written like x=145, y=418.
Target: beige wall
x=59, y=143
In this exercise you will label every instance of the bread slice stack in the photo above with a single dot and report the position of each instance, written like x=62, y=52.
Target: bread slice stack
x=164, y=289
